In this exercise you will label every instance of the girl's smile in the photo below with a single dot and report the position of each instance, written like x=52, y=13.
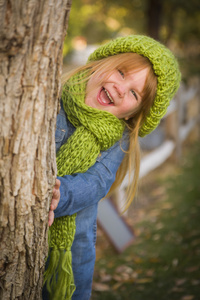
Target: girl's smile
x=104, y=97
x=120, y=93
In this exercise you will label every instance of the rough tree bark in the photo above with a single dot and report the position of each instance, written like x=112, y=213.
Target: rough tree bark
x=31, y=39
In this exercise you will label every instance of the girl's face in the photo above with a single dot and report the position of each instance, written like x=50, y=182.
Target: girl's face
x=120, y=93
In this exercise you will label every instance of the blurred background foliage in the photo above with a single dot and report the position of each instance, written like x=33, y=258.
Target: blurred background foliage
x=176, y=23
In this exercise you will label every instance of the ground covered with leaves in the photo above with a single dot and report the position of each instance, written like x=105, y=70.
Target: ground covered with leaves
x=164, y=260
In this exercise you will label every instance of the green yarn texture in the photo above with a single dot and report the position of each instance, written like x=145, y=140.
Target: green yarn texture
x=95, y=131
x=165, y=68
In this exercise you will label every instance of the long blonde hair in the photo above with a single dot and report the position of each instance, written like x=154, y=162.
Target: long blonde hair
x=130, y=62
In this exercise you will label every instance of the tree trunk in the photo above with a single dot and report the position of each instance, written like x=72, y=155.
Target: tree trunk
x=31, y=40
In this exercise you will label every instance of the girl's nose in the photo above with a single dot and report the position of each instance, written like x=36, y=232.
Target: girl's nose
x=120, y=89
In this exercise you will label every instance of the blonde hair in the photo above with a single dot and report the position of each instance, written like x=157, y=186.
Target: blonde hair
x=129, y=62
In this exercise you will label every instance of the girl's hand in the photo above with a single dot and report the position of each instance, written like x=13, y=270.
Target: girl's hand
x=54, y=201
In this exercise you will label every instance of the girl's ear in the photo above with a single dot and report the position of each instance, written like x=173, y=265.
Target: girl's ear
x=126, y=119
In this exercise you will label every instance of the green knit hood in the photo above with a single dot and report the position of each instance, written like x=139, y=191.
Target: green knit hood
x=95, y=131
x=165, y=67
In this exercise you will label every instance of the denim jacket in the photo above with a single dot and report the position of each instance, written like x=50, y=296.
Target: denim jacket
x=80, y=193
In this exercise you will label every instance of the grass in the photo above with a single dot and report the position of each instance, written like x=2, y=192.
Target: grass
x=164, y=261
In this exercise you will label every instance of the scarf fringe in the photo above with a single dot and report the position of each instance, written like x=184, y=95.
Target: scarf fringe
x=59, y=277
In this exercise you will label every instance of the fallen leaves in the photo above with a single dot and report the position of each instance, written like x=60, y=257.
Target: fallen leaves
x=195, y=282
x=144, y=280
x=187, y=297
x=192, y=269
x=175, y=262
x=180, y=281
x=122, y=274
x=100, y=287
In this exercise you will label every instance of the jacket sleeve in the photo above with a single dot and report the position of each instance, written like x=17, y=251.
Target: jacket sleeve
x=81, y=190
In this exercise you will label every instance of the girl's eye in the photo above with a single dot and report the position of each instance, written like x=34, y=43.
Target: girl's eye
x=134, y=94
x=121, y=73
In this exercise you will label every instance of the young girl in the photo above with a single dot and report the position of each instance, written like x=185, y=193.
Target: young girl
x=121, y=93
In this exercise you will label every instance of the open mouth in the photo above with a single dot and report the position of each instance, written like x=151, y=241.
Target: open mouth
x=104, y=97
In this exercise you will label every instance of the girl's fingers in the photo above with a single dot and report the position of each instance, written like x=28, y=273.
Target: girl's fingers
x=54, y=201
x=57, y=184
x=51, y=217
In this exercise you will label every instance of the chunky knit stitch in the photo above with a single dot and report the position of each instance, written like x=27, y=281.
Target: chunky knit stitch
x=95, y=131
x=165, y=68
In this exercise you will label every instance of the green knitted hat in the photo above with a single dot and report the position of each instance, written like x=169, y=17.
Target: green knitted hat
x=165, y=68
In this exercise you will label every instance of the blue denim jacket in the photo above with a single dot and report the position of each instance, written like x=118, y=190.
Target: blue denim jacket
x=80, y=193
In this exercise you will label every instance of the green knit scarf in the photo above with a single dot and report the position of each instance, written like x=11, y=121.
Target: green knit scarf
x=95, y=131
